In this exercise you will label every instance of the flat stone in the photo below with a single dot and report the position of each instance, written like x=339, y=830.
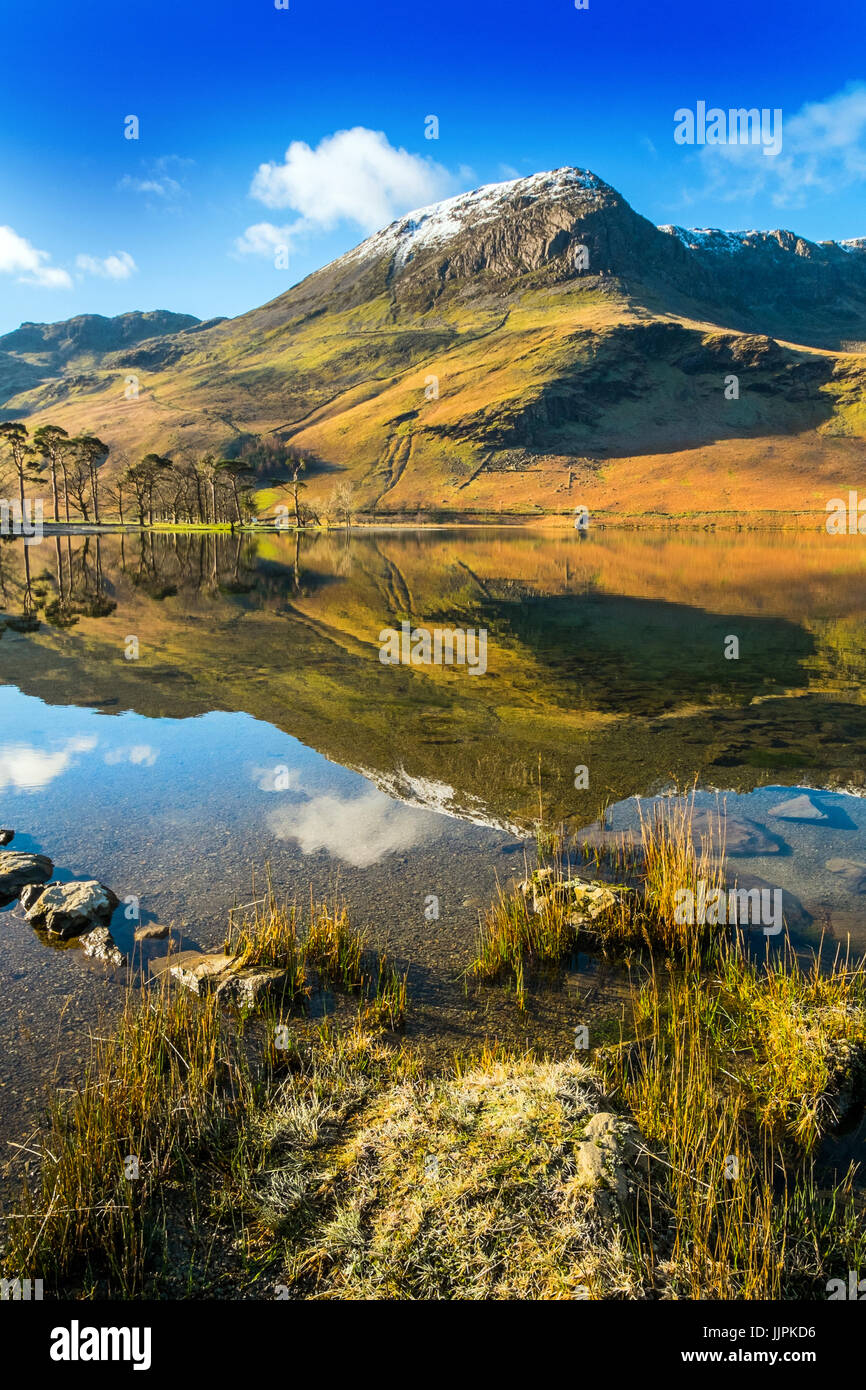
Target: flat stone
x=741, y=836
x=199, y=972
x=100, y=944
x=249, y=988
x=70, y=909
x=152, y=931
x=17, y=870
x=799, y=808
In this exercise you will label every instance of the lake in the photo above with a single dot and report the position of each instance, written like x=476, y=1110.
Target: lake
x=182, y=713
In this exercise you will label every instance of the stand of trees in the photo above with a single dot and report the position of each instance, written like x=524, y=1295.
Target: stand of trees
x=207, y=491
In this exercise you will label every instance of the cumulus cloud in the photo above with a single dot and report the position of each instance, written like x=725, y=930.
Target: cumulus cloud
x=823, y=151
x=20, y=258
x=360, y=830
x=263, y=239
x=116, y=267
x=353, y=176
x=29, y=769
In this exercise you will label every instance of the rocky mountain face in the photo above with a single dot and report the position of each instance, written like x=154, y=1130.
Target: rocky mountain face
x=551, y=229
x=537, y=329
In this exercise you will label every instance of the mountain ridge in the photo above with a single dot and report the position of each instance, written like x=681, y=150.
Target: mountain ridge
x=509, y=346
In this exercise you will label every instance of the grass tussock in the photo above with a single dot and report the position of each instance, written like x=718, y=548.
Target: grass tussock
x=737, y=1073
x=161, y=1097
x=459, y=1186
x=546, y=918
x=268, y=934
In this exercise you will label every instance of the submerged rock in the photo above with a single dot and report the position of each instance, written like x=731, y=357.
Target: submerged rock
x=740, y=835
x=70, y=909
x=100, y=944
x=852, y=872
x=800, y=808
x=152, y=931
x=17, y=870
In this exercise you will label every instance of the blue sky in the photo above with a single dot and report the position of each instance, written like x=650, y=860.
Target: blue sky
x=93, y=222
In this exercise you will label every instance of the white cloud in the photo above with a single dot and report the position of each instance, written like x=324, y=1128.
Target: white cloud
x=31, y=267
x=162, y=188
x=275, y=779
x=30, y=769
x=116, y=267
x=823, y=151
x=264, y=239
x=156, y=180
x=351, y=176
x=139, y=754
x=360, y=830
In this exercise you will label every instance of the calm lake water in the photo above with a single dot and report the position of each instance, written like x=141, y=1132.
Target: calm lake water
x=257, y=726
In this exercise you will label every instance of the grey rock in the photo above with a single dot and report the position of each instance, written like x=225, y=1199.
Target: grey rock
x=799, y=808
x=70, y=909
x=852, y=872
x=197, y=971
x=152, y=931
x=30, y=894
x=249, y=988
x=608, y=1153
x=17, y=870
x=100, y=944
x=6, y=836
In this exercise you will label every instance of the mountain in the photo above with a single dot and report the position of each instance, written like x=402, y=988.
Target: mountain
x=36, y=353
x=531, y=346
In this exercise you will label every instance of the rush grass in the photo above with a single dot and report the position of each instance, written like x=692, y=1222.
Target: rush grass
x=671, y=857
x=161, y=1097
x=738, y=1073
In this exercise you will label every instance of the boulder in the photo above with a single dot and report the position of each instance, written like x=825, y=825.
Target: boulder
x=199, y=972
x=100, y=944
x=70, y=909
x=6, y=836
x=247, y=989
x=17, y=870
x=589, y=898
x=30, y=894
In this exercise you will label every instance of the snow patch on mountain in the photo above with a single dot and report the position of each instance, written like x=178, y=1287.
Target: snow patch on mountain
x=710, y=238
x=423, y=792
x=437, y=224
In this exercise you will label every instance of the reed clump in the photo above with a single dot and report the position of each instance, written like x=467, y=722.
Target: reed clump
x=737, y=1073
x=159, y=1097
